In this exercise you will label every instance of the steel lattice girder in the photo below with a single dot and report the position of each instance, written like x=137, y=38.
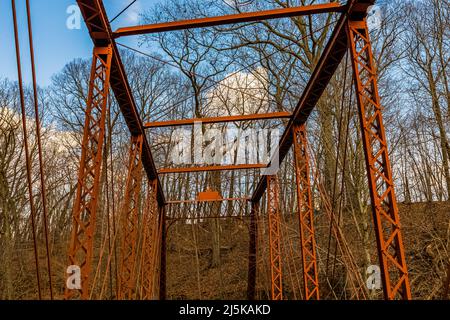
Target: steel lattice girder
x=150, y=222
x=306, y=213
x=381, y=185
x=99, y=28
x=85, y=206
x=129, y=220
x=107, y=70
x=94, y=15
x=273, y=208
x=385, y=212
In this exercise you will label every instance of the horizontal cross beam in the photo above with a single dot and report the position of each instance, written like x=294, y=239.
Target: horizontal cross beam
x=212, y=168
x=239, y=217
x=188, y=122
x=212, y=200
x=229, y=19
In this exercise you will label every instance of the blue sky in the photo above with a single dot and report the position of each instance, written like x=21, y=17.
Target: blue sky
x=54, y=44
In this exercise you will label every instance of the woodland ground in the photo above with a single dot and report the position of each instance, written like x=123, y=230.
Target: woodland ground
x=425, y=227
x=425, y=230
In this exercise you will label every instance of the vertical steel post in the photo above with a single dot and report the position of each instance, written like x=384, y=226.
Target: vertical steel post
x=305, y=213
x=252, y=251
x=85, y=205
x=162, y=271
x=151, y=230
x=274, y=237
x=391, y=252
x=129, y=220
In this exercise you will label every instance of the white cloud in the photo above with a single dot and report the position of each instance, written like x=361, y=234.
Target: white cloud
x=132, y=13
x=239, y=93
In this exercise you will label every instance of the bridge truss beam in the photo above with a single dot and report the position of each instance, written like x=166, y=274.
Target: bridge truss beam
x=391, y=252
x=151, y=221
x=350, y=32
x=274, y=220
x=306, y=214
x=107, y=72
x=129, y=221
x=86, y=200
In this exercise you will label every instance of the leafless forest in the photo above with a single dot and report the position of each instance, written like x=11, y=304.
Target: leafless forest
x=246, y=68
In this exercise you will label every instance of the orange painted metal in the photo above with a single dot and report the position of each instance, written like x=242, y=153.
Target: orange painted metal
x=248, y=117
x=129, y=221
x=209, y=195
x=207, y=200
x=273, y=208
x=40, y=157
x=252, y=251
x=85, y=205
x=28, y=161
x=150, y=222
x=206, y=218
x=327, y=65
x=95, y=17
x=156, y=253
x=163, y=254
x=351, y=31
x=391, y=252
x=306, y=214
x=229, y=19
x=211, y=168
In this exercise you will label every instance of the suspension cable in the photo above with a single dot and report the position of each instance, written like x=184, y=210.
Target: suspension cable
x=344, y=169
x=108, y=267
x=348, y=258
x=99, y=263
x=38, y=136
x=120, y=13
x=27, y=152
x=108, y=213
x=113, y=198
x=112, y=251
x=286, y=236
x=333, y=197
